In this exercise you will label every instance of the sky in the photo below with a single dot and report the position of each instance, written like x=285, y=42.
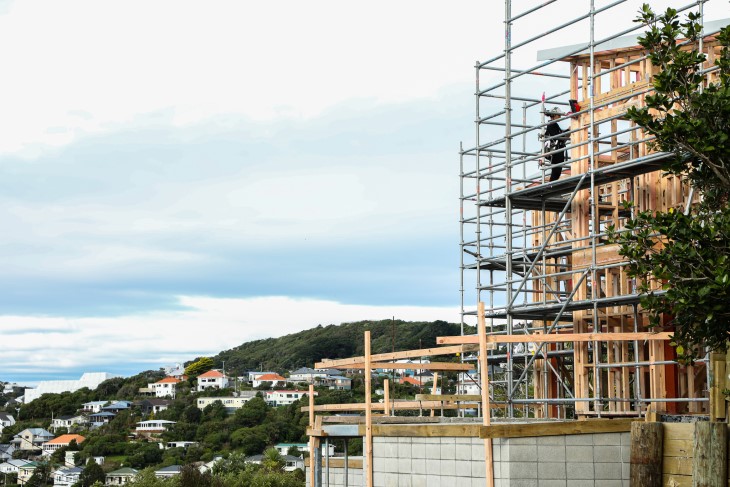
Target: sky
x=179, y=177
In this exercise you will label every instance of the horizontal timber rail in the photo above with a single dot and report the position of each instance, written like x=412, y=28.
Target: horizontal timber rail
x=437, y=366
x=521, y=430
x=381, y=406
x=558, y=338
x=449, y=397
x=424, y=352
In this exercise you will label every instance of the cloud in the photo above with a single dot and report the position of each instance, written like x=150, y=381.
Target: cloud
x=37, y=348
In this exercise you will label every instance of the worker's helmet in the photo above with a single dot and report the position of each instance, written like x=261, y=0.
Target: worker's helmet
x=554, y=112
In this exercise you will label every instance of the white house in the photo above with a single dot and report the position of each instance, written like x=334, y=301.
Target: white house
x=153, y=426
x=290, y=463
x=213, y=379
x=12, y=466
x=93, y=406
x=5, y=421
x=6, y=452
x=272, y=380
x=178, y=444
x=230, y=403
x=62, y=441
x=283, y=448
x=284, y=398
x=253, y=375
x=67, y=421
x=468, y=384
x=88, y=379
x=168, y=472
x=120, y=477
x=67, y=476
x=165, y=387
x=305, y=374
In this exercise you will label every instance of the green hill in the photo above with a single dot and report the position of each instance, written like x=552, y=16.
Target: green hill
x=305, y=348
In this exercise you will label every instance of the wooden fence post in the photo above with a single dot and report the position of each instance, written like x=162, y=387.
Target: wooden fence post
x=709, y=464
x=647, y=441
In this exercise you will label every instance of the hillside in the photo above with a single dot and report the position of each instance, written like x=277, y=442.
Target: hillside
x=305, y=348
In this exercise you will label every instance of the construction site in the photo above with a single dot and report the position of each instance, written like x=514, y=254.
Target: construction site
x=572, y=386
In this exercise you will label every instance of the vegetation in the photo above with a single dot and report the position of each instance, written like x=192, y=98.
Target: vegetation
x=686, y=255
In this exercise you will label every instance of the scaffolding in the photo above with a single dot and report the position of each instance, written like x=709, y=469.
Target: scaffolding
x=572, y=339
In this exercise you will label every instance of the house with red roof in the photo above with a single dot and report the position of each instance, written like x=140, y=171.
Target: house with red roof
x=213, y=379
x=272, y=379
x=57, y=443
x=165, y=387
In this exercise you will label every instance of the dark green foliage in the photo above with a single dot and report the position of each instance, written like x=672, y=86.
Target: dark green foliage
x=92, y=473
x=252, y=413
x=334, y=341
x=688, y=256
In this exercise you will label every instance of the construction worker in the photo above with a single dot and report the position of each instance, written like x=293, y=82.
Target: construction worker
x=553, y=140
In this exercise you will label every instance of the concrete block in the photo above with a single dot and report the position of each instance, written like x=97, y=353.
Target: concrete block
x=608, y=483
x=448, y=467
x=607, y=471
x=551, y=483
x=433, y=468
x=433, y=481
x=579, y=439
x=530, y=440
x=522, y=470
x=477, y=452
x=625, y=438
x=463, y=468
x=579, y=471
x=389, y=465
x=405, y=480
x=418, y=450
x=550, y=440
x=606, y=438
x=551, y=453
x=433, y=451
x=522, y=453
x=462, y=440
x=479, y=469
x=431, y=441
x=405, y=439
x=418, y=439
x=626, y=453
x=391, y=480
x=448, y=481
x=404, y=450
x=418, y=481
x=551, y=471
x=580, y=483
x=524, y=483
x=385, y=450
x=463, y=452
x=378, y=478
x=606, y=454
x=448, y=451
x=418, y=466
x=404, y=465
x=579, y=454
x=448, y=440
x=625, y=471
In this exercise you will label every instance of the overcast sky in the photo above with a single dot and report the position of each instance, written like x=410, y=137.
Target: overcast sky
x=179, y=177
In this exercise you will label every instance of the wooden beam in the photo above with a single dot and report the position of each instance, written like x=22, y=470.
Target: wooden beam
x=381, y=407
x=521, y=430
x=386, y=396
x=449, y=397
x=434, y=388
x=312, y=439
x=379, y=357
x=558, y=338
x=426, y=366
x=427, y=430
x=484, y=376
x=368, y=415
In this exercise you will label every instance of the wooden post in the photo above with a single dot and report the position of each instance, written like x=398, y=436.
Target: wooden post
x=647, y=441
x=368, y=416
x=312, y=440
x=717, y=376
x=434, y=388
x=486, y=409
x=386, y=397
x=709, y=464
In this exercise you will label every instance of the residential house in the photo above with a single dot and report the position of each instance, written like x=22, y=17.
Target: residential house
x=167, y=472
x=283, y=448
x=6, y=452
x=62, y=441
x=339, y=382
x=152, y=406
x=120, y=477
x=153, y=426
x=283, y=397
x=468, y=383
x=88, y=379
x=67, y=421
x=26, y=471
x=253, y=375
x=207, y=467
x=101, y=418
x=177, y=371
x=117, y=406
x=93, y=406
x=67, y=476
x=5, y=421
x=273, y=380
x=311, y=376
x=230, y=403
x=290, y=463
x=178, y=444
x=213, y=379
x=12, y=466
x=165, y=387
x=410, y=380
x=31, y=439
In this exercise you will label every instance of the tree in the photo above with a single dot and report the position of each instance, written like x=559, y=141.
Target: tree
x=203, y=364
x=686, y=255
x=92, y=473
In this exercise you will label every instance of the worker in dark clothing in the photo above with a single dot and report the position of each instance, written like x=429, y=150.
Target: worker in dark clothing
x=553, y=140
